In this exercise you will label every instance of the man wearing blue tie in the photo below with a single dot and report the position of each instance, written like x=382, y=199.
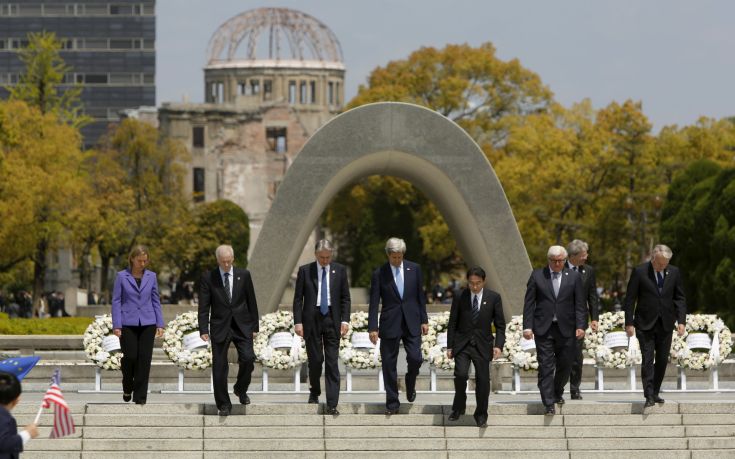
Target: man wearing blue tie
x=321, y=310
x=398, y=285
x=654, y=300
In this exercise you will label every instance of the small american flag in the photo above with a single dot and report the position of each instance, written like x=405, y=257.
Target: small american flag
x=63, y=422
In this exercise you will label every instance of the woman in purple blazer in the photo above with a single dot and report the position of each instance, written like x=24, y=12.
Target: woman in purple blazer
x=136, y=318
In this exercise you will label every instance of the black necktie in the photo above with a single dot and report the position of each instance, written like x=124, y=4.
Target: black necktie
x=227, y=287
x=575, y=268
x=475, y=309
x=660, y=278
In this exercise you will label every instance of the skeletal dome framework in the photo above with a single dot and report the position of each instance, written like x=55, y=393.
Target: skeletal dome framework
x=291, y=35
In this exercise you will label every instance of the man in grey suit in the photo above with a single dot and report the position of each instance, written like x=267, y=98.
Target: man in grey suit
x=578, y=251
x=321, y=310
x=554, y=315
x=398, y=285
x=654, y=300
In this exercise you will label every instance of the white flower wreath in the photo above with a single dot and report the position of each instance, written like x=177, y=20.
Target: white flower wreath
x=434, y=352
x=98, y=330
x=198, y=358
x=358, y=358
x=278, y=358
x=721, y=342
x=617, y=357
x=512, y=349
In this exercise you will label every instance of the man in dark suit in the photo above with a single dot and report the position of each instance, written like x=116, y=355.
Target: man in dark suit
x=578, y=251
x=399, y=286
x=321, y=311
x=654, y=300
x=554, y=315
x=470, y=338
x=227, y=294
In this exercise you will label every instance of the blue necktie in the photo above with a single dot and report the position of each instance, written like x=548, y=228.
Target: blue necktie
x=660, y=278
x=399, y=282
x=324, y=302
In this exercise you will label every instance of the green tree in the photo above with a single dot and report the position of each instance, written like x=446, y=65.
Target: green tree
x=152, y=170
x=699, y=221
x=471, y=86
x=41, y=182
x=42, y=84
x=190, y=244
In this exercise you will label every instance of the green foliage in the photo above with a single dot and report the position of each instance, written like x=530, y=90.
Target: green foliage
x=39, y=85
x=699, y=220
x=190, y=245
x=54, y=326
x=469, y=85
x=363, y=217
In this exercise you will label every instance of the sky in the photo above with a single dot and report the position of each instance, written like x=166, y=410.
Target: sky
x=676, y=57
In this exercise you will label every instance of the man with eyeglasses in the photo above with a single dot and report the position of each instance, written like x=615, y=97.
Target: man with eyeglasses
x=554, y=316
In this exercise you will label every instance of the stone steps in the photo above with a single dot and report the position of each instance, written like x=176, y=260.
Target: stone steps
x=687, y=429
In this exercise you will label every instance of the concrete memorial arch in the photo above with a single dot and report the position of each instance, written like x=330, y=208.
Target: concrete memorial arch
x=412, y=143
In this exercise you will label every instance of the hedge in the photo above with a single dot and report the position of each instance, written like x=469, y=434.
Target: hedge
x=51, y=326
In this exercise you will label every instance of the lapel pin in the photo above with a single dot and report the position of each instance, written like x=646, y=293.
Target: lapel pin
x=334, y=271
x=238, y=278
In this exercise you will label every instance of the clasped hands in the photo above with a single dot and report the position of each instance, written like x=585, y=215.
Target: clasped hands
x=579, y=334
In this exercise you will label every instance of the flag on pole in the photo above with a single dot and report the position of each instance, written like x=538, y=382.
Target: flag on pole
x=63, y=422
x=19, y=366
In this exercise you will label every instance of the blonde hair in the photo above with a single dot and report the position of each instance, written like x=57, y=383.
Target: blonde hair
x=136, y=251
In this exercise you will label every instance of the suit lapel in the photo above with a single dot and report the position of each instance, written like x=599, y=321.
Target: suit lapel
x=388, y=278
x=236, y=281
x=332, y=290
x=314, y=276
x=147, y=277
x=218, y=284
x=131, y=279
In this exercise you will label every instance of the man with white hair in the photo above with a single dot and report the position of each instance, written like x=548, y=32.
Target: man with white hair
x=398, y=285
x=228, y=313
x=654, y=300
x=554, y=316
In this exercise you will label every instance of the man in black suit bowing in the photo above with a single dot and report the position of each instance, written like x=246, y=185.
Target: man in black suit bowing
x=321, y=310
x=470, y=338
x=228, y=313
x=578, y=251
x=656, y=292
x=554, y=315
x=399, y=286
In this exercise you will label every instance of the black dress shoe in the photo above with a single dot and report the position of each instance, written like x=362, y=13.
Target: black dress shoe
x=454, y=416
x=243, y=396
x=658, y=399
x=560, y=401
x=649, y=402
x=411, y=396
x=331, y=410
x=127, y=397
x=140, y=402
x=313, y=398
x=481, y=421
x=225, y=411
x=576, y=396
x=389, y=412
x=550, y=410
